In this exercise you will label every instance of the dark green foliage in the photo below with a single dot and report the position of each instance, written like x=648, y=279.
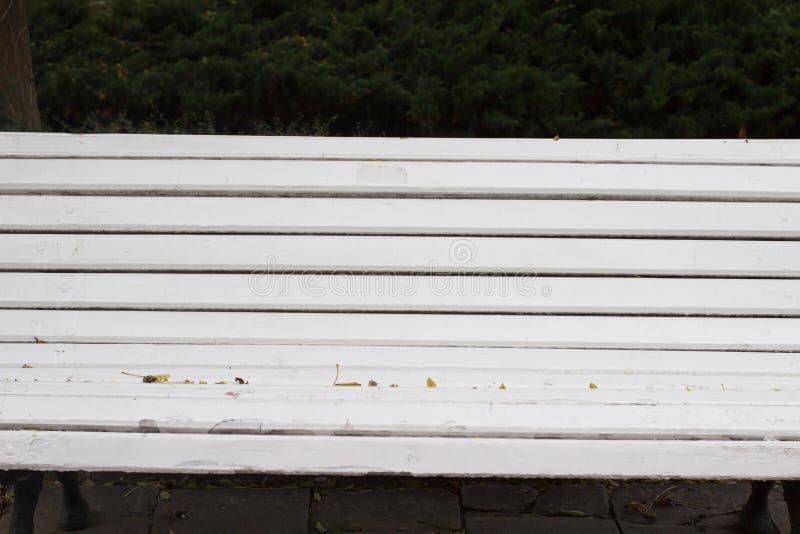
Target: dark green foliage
x=580, y=68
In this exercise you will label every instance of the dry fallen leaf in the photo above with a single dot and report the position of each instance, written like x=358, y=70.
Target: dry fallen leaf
x=187, y=381
x=203, y=382
x=430, y=383
x=149, y=379
x=155, y=379
x=641, y=508
x=393, y=385
x=573, y=513
x=372, y=383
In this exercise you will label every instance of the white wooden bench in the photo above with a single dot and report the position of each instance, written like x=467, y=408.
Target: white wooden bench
x=585, y=308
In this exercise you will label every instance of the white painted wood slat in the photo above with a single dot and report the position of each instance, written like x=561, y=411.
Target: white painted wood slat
x=705, y=333
x=486, y=294
x=398, y=216
x=180, y=392
x=465, y=378
x=367, y=358
x=673, y=257
x=688, y=337
x=353, y=178
x=716, y=151
x=461, y=367
x=530, y=414
x=347, y=455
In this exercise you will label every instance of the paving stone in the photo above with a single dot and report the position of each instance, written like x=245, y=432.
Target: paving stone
x=726, y=522
x=533, y=524
x=114, y=509
x=423, y=510
x=211, y=511
x=496, y=497
x=689, y=503
x=635, y=528
x=570, y=499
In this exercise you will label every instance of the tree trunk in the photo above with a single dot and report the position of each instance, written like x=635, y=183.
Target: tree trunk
x=17, y=89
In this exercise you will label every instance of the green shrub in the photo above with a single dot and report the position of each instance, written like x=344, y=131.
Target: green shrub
x=580, y=68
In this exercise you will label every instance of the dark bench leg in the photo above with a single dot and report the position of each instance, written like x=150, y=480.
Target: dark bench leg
x=75, y=510
x=28, y=486
x=791, y=494
x=755, y=517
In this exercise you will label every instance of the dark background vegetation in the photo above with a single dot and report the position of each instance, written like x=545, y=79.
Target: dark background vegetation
x=579, y=68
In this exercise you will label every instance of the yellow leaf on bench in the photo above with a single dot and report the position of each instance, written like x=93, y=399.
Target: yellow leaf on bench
x=157, y=379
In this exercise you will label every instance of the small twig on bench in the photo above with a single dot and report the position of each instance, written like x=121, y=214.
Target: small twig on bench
x=337, y=383
x=149, y=379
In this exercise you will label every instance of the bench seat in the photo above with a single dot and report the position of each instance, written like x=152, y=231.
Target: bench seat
x=405, y=306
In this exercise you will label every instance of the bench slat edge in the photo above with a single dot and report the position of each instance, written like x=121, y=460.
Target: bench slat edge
x=724, y=151
x=346, y=178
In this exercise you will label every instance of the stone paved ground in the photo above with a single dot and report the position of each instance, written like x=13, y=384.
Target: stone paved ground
x=295, y=505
